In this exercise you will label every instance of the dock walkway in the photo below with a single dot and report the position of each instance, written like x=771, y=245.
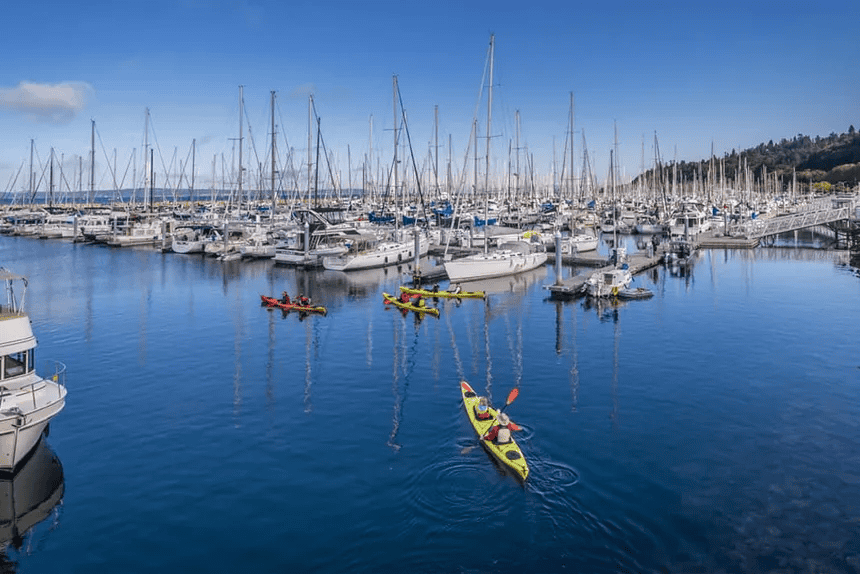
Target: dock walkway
x=573, y=286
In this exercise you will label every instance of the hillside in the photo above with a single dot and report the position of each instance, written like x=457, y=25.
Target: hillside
x=834, y=159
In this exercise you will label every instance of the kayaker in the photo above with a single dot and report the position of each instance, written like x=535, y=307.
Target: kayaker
x=420, y=302
x=500, y=433
x=405, y=297
x=482, y=409
x=285, y=299
x=457, y=289
x=435, y=287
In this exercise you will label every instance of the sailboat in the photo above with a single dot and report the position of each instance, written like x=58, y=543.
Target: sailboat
x=510, y=257
x=391, y=250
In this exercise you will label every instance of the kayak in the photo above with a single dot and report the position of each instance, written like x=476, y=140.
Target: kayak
x=272, y=302
x=430, y=293
x=396, y=301
x=509, y=455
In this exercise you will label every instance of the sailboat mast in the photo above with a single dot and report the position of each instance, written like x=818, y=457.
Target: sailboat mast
x=241, y=130
x=489, y=119
x=396, y=183
x=92, y=160
x=274, y=150
x=487, y=162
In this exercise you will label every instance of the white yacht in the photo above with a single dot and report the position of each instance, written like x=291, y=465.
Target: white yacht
x=509, y=259
x=28, y=401
x=690, y=220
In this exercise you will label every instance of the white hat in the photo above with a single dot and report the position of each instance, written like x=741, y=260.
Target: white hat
x=504, y=419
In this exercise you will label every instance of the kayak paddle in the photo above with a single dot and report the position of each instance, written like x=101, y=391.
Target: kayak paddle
x=515, y=392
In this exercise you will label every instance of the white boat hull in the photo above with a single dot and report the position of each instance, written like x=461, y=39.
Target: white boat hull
x=494, y=264
x=383, y=255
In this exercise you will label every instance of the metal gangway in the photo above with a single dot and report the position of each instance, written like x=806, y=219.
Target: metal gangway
x=820, y=212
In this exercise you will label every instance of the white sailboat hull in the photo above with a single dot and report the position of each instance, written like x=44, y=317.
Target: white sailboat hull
x=493, y=264
x=383, y=255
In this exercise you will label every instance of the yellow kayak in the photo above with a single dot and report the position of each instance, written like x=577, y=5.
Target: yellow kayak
x=449, y=294
x=394, y=300
x=509, y=455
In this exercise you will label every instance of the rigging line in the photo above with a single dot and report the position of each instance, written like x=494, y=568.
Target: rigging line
x=107, y=159
x=13, y=182
x=412, y=156
x=125, y=173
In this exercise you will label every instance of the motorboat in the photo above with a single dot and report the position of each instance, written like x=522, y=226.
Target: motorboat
x=608, y=282
x=28, y=401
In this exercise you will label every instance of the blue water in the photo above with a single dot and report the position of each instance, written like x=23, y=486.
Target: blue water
x=714, y=427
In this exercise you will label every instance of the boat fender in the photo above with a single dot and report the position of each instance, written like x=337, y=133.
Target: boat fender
x=615, y=291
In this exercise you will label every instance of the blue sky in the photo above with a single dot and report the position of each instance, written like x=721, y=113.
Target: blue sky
x=726, y=74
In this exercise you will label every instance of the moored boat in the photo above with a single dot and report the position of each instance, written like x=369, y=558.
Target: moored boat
x=28, y=402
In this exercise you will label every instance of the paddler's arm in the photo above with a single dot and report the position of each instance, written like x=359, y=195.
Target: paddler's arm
x=492, y=434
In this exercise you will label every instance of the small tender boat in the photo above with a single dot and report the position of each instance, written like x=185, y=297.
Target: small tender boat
x=449, y=294
x=637, y=293
x=508, y=454
x=411, y=307
x=272, y=302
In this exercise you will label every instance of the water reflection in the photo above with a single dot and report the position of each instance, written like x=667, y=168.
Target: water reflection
x=27, y=498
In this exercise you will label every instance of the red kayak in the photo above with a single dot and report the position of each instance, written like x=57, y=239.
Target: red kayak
x=272, y=302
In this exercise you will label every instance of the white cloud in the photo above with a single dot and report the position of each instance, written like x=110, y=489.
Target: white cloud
x=58, y=103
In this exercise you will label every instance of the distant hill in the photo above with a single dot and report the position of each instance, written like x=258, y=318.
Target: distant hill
x=834, y=159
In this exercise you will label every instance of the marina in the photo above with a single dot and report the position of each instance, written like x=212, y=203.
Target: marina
x=338, y=288
x=658, y=454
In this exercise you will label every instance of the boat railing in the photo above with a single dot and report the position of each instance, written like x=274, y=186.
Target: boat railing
x=59, y=374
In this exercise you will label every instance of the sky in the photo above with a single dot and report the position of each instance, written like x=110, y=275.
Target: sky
x=692, y=76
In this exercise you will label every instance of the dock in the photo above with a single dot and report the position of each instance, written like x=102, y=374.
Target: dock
x=574, y=286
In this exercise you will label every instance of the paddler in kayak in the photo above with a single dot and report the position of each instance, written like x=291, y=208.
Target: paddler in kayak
x=285, y=299
x=500, y=433
x=405, y=297
x=482, y=409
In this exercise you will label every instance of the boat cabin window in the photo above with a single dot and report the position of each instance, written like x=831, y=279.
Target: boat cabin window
x=17, y=364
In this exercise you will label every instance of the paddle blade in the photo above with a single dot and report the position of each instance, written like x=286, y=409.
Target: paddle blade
x=514, y=426
x=512, y=395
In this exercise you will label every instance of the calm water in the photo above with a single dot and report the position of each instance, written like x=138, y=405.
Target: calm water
x=715, y=427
